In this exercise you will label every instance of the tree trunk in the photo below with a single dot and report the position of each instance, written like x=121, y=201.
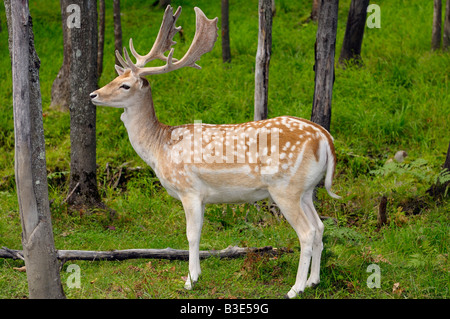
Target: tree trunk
x=354, y=32
x=446, y=37
x=117, y=29
x=30, y=165
x=315, y=10
x=382, y=212
x=101, y=38
x=61, y=86
x=447, y=159
x=226, y=54
x=324, y=62
x=9, y=26
x=83, y=80
x=263, y=59
x=437, y=22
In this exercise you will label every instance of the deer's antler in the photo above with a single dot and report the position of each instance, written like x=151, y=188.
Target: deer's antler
x=204, y=39
x=163, y=40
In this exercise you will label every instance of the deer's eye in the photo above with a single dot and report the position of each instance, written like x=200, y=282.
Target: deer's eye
x=125, y=86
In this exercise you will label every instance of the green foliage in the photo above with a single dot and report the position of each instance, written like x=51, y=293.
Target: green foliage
x=342, y=235
x=402, y=177
x=418, y=169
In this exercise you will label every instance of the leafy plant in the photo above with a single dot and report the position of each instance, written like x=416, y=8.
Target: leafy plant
x=405, y=175
x=343, y=235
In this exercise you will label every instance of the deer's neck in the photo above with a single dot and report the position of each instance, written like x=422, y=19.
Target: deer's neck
x=145, y=132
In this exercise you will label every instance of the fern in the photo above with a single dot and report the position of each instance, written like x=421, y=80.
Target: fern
x=425, y=256
x=443, y=177
x=416, y=261
x=344, y=234
x=418, y=170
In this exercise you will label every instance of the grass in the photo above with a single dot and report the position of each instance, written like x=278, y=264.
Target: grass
x=399, y=100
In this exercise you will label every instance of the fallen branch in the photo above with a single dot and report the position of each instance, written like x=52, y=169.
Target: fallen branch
x=167, y=253
x=71, y=193
x=11, y=253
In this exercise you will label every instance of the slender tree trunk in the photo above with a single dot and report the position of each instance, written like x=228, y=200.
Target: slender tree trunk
x=354, y=32
x=315, y=10
x=226, y=54
x=30, y=165
x=101, y=37
x=447, y=159
x=437, y=22
x=117, y=29
x=263, y=59
x=61, y=86
x=7, y=4
x=446, y=37
x=324, y=62
x=382, y=213
x=83, y=80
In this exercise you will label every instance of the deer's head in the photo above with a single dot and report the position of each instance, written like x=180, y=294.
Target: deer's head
x=131, y=85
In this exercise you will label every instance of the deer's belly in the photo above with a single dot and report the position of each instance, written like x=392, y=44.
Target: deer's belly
x=219, y=186
x=222, y=194
x=234, y=195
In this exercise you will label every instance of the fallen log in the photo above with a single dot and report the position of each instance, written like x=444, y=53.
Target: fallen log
x=167, y=253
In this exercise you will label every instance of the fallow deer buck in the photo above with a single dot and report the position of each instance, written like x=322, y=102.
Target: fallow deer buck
x=283, y=158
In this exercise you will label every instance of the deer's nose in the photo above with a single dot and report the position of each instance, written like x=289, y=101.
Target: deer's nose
x=93, y=95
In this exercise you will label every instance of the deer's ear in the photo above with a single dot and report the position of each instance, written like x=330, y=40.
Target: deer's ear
x=144, y=82
x=119, y=69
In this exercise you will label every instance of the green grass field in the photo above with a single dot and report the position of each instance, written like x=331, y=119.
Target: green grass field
x=399, y=100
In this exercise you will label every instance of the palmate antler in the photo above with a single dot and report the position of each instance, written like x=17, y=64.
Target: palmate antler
x=204, y=39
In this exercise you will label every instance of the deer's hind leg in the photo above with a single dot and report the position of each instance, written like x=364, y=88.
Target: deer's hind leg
x=308, y=206
x=289, y=202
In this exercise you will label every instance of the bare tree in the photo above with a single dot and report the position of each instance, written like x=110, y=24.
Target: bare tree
x=117, y=28
x=447, y=159
x=101, y=38
x=263, y=59
x=61, y=87
x=30, y=165
x=226, y=54
x=437, y=17
x=446, y=37
x=324, y=62
x=354, y=32
x=315, y=10
x=83, y=80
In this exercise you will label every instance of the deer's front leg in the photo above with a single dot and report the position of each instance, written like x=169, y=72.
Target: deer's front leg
x=194, y=209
